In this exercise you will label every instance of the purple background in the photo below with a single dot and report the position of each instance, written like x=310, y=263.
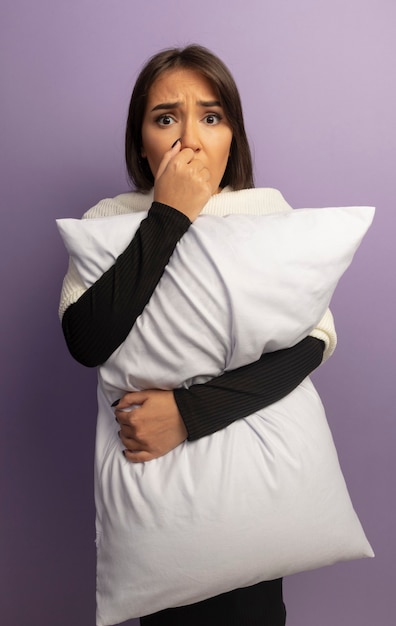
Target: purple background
x=318, y=83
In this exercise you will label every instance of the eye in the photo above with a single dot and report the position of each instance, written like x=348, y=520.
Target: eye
x=165, y=120
x=212, y=119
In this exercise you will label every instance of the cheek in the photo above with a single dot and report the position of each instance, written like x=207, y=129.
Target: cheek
x=225, y=154
x=153, y=153
x=226, y=143
x=153, y=161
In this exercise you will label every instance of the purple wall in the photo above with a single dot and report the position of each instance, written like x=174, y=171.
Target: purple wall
x=317, y=80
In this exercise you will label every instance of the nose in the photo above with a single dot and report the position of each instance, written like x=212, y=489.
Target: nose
x=190, y=137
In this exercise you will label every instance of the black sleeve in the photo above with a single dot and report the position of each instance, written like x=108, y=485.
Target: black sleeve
x=102, y=317
x=214, y=405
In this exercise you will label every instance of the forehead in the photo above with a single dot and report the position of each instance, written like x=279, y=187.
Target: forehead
x=176, y=85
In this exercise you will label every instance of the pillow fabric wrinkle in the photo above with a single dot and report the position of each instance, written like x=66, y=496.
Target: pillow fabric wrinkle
x=264, y=497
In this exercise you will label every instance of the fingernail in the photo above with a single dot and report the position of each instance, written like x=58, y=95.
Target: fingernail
x=173, y=145
x=116, y=402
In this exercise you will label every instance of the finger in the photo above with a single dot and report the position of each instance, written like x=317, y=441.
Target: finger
x=202, y=169
x=175, y=149
x=187, y=155
x=126, y=432
x=138, y=456
x=123, y=416
x=128, y=429
x=131, y=400
x=130, y=443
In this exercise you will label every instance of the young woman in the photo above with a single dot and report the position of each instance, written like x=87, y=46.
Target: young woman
x=185, y=142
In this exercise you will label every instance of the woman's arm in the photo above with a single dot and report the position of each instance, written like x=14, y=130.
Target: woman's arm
x=161, y=420
x=102, y=317
x=214, y=405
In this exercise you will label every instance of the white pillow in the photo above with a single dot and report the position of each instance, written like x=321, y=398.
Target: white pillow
x=270, y=276
x=262, y=498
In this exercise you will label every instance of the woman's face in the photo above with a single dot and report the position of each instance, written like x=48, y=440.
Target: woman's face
x=184, y=104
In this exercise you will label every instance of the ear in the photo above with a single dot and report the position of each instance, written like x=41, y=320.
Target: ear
x=143, y=153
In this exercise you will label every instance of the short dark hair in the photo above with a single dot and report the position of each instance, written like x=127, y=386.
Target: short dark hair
x=239, y=170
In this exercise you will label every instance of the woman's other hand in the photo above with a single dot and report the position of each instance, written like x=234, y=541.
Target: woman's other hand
x=152, y=427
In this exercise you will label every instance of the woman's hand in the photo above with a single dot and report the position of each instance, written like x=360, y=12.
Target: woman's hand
x=182, y=181
x=152, y=427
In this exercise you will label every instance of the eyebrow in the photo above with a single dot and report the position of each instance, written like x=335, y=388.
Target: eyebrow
x=175, y=105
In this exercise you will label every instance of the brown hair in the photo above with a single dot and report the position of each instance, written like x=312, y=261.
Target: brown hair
x=239, y=170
